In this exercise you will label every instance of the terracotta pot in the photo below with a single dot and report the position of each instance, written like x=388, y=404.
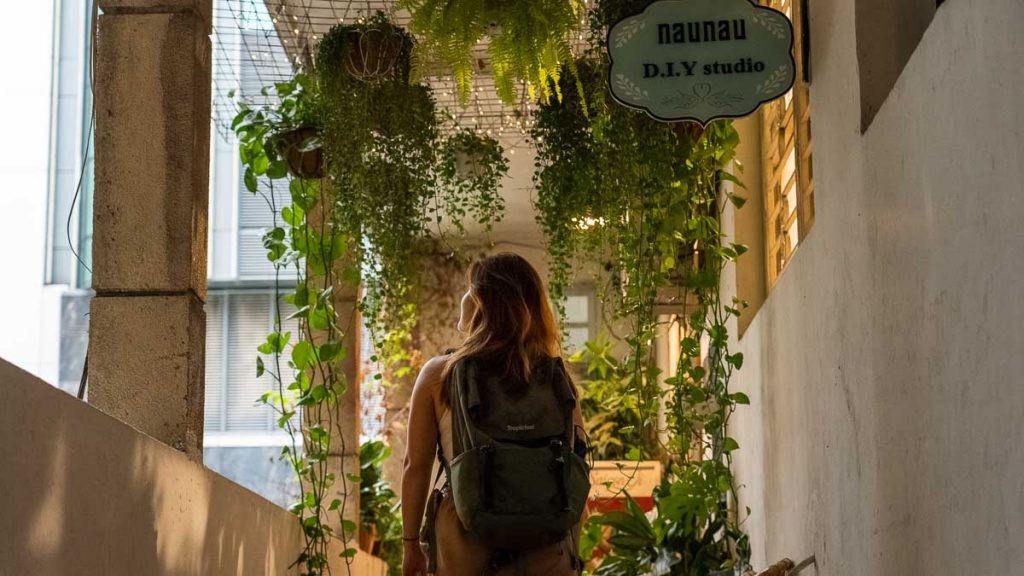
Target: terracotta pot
x=372, y=54
x=309, y=164
x=368, y=541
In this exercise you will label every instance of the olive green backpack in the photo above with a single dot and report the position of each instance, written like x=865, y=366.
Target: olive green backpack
x=518, y=474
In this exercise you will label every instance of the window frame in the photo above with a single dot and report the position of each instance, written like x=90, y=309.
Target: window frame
x=788, y=131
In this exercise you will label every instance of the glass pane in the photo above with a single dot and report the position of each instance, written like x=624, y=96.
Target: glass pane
x=577, y=309
x=577, y=338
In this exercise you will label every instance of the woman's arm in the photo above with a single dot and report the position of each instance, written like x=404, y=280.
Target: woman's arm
x=421, y=446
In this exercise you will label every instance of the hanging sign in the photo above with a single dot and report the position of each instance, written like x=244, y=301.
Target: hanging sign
x=701, y=59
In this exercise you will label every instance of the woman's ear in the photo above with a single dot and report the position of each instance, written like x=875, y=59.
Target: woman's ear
x=467, y=312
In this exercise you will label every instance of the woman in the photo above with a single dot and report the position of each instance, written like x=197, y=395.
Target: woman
x=510, y=327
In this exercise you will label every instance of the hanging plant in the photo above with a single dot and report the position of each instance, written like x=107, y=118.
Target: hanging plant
x=390, y=179
x=528, y=41
x=290, y=128
x=380, y=139
x=304, y=368
x=644, y=199
x=302, y=150
x=470, y=169
x=369, y=51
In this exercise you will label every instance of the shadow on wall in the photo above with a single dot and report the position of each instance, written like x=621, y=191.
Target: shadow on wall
x=85, y=494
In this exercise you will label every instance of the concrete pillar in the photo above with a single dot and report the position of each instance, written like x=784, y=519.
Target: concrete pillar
x=147, y=336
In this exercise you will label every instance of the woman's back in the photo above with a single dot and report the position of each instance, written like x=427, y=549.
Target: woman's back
x=504, y=412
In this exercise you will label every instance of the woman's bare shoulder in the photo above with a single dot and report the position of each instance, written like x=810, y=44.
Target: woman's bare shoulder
x=430, y=373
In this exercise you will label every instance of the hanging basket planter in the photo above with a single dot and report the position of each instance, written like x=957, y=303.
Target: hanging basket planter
x=373, y=53
x=472, y=155
x=469, y=164
x=368, y=52
x=301, y=149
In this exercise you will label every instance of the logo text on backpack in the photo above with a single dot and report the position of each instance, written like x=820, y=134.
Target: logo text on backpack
x=519, y=427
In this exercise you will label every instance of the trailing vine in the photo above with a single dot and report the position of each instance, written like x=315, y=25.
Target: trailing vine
x=305, y=368
x=394, y=177
x=644, y=199
x=390, y=177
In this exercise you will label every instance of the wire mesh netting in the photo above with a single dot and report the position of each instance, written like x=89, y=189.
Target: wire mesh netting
x=257, y=43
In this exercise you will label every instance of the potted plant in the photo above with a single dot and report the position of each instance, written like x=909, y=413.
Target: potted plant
x=283, y=137
x=688, y=533
x=379, y=522
x=368, y=51
x=302, y=150
x=470, y=169
x=528, y=42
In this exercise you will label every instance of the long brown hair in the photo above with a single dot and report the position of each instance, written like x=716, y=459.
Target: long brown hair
x=513, y=326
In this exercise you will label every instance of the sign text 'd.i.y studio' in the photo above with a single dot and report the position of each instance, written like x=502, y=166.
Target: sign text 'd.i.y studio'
x=701, y=59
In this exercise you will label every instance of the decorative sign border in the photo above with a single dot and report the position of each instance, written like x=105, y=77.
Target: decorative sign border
x=773, y=83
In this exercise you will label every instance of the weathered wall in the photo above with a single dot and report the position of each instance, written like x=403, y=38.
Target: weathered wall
x=886, y=430
x=83, y=493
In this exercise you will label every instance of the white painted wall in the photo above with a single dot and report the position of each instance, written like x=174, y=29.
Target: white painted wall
x=886, y=368
x=29, y=313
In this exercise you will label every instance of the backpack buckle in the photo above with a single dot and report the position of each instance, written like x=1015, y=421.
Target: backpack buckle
x=556, y=450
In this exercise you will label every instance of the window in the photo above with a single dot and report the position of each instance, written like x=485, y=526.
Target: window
x=786, y=159
x=236, y=323
x=71, y=155
x=579, y=319
x=254, y=219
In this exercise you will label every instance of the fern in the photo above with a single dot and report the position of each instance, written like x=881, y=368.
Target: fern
x=531, y=40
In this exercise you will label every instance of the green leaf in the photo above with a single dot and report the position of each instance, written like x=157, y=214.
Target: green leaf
x=729, y=445
x=259, y=367
x=250, y=180
x=348, y=553
x=318, y=393
x=332, y=351
x=277, y=169
x=284, y=419
x=284, y=88
x=302, y=355
x=260, y=163
x=739, y=398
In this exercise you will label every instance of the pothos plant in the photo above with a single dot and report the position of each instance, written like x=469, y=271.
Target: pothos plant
x=528, y=41
x=610, y=415
x=645, y=199
x=378, y=505
x=385, y=182
x=305, y=367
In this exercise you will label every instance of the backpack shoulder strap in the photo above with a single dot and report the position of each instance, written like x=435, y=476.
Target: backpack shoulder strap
x=562, y=383
x=461, y=388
